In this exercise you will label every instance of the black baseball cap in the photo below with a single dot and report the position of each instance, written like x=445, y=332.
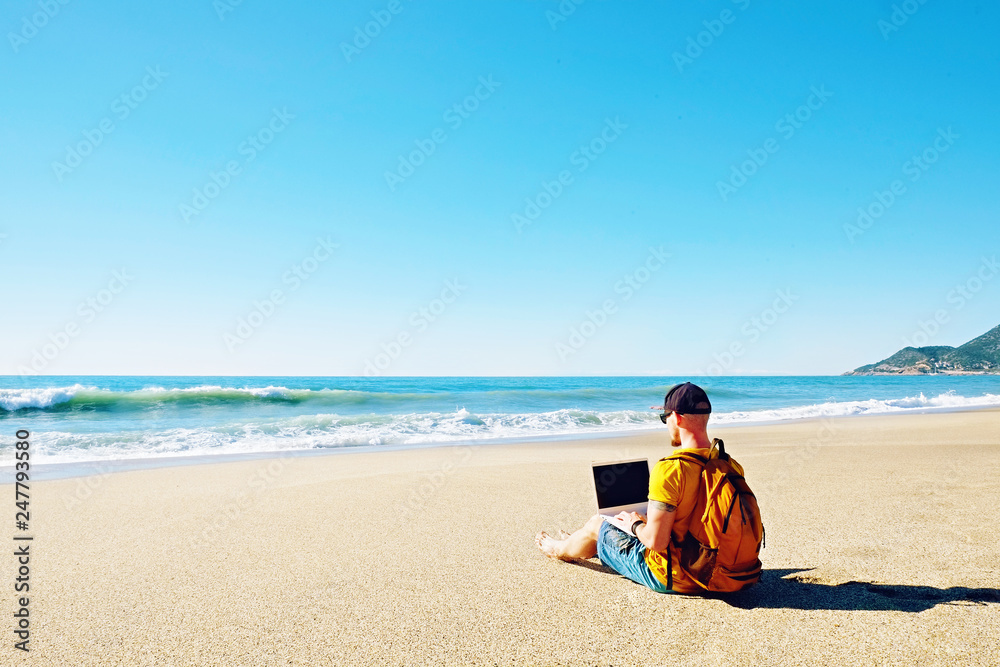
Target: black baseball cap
x=687, y=399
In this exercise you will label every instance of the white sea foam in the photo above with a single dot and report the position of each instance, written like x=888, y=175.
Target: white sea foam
x=333, y=430
x=18, y=399
x=948, y=400
x=42, y=398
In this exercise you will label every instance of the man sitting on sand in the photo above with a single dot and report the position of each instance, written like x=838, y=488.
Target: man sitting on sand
x=637, y=547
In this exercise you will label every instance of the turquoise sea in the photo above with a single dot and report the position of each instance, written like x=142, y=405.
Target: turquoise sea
x=98, y=418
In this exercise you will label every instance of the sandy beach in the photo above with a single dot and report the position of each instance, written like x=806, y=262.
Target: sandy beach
x=882, y=535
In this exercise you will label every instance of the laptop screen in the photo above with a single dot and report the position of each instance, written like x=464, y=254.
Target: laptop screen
x=622, y=483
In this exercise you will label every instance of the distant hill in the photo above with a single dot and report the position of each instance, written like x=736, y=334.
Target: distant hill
x=978, y=356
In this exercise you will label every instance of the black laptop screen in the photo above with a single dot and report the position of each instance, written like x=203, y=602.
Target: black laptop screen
x=621, y=483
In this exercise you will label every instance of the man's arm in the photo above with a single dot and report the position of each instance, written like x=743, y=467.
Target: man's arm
x=655, y=533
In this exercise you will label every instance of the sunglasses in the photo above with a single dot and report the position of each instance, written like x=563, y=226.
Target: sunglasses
x=665, y=416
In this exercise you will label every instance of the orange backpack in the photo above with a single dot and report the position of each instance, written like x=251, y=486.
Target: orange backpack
x=720, y=551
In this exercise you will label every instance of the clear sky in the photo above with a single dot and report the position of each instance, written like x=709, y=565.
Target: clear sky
x=675, y=183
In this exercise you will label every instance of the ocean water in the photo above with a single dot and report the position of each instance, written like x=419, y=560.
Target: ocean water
x=98, y=418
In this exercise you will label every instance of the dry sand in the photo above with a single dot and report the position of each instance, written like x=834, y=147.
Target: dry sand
x=882, y=537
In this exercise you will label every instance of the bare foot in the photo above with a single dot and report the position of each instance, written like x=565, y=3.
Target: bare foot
x=548, y=545
x=563, y=534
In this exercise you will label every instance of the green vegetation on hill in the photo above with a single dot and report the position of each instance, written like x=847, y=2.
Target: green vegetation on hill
x=981, y=355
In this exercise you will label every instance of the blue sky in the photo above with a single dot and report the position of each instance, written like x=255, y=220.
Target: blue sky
x=249, y=148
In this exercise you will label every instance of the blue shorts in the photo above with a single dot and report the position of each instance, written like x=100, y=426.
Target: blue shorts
x=626, y=555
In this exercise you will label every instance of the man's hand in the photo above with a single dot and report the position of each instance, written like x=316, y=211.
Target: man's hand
x=624, y=521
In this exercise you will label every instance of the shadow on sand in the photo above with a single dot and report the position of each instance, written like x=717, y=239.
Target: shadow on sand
x=789, y=589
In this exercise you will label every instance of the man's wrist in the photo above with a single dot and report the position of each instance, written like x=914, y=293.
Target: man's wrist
x=635, y=527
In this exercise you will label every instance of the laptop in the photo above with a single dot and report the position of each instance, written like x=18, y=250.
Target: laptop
x=621, y=486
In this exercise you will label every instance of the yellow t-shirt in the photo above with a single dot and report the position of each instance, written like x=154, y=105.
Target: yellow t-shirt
x=675, y=483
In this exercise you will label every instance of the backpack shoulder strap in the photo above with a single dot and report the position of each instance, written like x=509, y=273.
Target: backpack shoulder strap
x=718, y=451
x=689, y=457
x=717, y=444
